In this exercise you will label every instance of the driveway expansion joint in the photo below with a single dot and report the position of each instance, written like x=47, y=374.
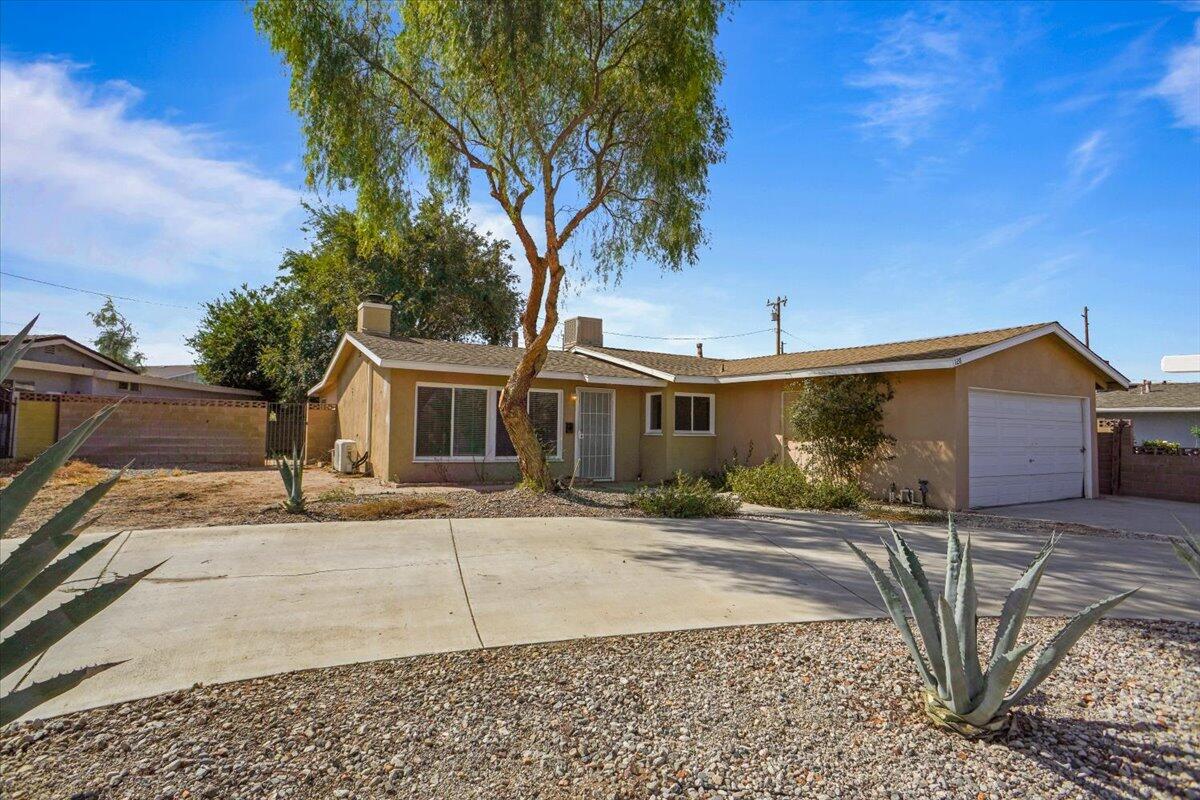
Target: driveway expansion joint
x=463, y=582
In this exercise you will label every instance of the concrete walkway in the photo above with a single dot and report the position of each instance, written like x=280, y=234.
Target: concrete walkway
x=1114, y=512
x=239, y=602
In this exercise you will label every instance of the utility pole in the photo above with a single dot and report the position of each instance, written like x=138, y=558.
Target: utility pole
x=1087, y=332
x=776, y=307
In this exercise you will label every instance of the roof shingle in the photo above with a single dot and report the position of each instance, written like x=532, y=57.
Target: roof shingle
x=434, y=351
x=916, y=349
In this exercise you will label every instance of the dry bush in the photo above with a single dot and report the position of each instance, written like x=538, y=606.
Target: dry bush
x=79, y=473
x=390, y=507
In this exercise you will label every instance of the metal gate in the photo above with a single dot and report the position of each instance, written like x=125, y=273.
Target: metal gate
x=285, y=428
x=8, y=420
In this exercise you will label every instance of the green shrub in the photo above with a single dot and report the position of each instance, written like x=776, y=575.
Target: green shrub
x=684, y=496
x=1161, y=445
x=787, y=486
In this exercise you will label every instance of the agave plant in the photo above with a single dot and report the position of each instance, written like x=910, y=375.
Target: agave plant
x=292, y=472
x=31, y=573
x=1188, y=550
x=960, y=694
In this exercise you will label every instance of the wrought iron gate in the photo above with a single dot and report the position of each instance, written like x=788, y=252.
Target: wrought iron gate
x=8, y=420
x=286, y=424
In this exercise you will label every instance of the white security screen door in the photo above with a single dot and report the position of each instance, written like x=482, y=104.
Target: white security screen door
x=594, y=440
x=1025, y=448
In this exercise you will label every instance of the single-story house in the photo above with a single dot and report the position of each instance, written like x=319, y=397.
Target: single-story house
x=57, y=364
x=176, y=372
x=986, y=418
x=1167, y=410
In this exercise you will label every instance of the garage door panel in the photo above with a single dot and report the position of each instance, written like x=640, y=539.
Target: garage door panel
x=1024, y=448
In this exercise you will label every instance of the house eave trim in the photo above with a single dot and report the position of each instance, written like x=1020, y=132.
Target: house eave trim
x=1148, y=410
x=131, y=377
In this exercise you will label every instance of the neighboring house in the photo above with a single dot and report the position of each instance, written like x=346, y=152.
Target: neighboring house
x=1166, y=410
x=176, y=372
x=58, y=364
x=986, y=418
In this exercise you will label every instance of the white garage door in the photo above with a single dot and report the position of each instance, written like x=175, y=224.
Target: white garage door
x=1025, y=448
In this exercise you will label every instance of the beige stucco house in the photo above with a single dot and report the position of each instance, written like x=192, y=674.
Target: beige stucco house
x=986, y=418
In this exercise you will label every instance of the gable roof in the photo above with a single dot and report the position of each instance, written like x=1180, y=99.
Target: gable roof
x=938, y=352
x=169, y=370
x=49, y=339
x=1162, y=397
x=406, y=352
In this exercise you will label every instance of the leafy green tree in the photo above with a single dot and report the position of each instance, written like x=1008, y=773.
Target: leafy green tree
x=838, y=423
x=236, y=330
x=444, y=279
x=600, y=117
x=116, y=338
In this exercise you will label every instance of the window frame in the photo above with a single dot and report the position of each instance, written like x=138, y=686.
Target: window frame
x=647, y=430
x=712, y=415
x=489, y=456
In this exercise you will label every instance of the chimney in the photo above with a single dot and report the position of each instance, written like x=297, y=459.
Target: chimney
x=513, y=341
x=374, y=315
x=699, y=349
x=584, y=332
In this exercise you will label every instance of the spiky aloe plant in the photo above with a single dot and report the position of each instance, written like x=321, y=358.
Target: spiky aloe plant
x=960, y=693
x=292, y=472
x=30, y=573
x=1188, y=550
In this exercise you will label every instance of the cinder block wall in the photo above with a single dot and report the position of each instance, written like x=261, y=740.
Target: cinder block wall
x=37, y=424
x=161, y=431
x=320, y=432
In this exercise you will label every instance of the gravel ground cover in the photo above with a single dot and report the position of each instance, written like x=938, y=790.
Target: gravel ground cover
x=820, y=710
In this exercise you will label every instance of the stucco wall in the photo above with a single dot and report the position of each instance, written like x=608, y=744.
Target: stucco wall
x=320, y=432
x=404, y=469
x=349, y=394
x=663, y=454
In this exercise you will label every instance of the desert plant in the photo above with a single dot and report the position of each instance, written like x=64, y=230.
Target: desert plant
x=292, y=472
x=960, y=695
x=684, y=496
x=31, y=573
x=784, y=485
x=1188, y=550
x=1162, y=446
x=837, y=422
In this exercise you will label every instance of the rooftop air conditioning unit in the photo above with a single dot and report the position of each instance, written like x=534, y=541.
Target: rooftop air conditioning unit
x=343, y=456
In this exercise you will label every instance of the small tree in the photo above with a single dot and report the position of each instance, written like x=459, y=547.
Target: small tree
x=116, y=338
x=838, y=423
x=603, y=113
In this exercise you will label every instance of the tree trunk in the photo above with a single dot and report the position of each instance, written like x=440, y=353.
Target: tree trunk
x=535, y=472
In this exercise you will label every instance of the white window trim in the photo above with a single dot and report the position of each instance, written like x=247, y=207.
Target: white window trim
x=712, y=415
x=489, y=456
x=647, y=430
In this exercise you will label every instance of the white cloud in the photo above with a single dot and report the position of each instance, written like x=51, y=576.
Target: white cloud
x=924, y=67
x=1090, y=162
x=1180, y=87
x=1008, y=232
x=87, y=183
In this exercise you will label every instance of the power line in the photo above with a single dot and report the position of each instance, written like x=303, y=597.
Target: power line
x=98, y=294
x=686, y=338
x=802, y=339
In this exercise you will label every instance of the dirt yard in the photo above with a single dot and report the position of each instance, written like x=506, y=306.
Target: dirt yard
x=183, y=498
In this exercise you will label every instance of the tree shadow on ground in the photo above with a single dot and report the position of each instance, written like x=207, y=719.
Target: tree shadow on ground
x=1122, y=759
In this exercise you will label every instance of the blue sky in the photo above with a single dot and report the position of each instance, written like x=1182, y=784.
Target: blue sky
x=897, y=171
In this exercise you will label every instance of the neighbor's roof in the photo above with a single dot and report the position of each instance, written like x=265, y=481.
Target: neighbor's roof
x=169, y=370
x=1163, y=397
x=934, y=352
x=47, y=339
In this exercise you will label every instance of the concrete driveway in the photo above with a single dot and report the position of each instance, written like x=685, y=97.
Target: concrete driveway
x=240, y=602
x=1114, y=512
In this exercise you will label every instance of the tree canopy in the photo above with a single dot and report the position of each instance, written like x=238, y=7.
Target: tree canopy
x=602, y=112
x=444, y=280
x=116, y=339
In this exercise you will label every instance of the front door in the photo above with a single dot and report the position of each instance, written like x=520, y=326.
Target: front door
x=594, y=439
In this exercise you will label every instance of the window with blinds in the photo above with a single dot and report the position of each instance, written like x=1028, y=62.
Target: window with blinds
x=542, y=407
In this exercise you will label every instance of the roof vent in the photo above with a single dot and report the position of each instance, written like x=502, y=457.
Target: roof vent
x=583, y=332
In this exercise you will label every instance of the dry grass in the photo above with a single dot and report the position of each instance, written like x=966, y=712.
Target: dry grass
x=390, y=508
x=891, y=513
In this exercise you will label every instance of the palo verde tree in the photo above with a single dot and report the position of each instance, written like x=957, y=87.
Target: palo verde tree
x=597, y=118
